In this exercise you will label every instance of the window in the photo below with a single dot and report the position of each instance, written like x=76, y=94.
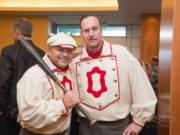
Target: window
x=69, y=29
x=108, y=30
x=114, y=31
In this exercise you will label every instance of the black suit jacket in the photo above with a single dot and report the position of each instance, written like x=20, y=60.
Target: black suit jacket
x=14, y=61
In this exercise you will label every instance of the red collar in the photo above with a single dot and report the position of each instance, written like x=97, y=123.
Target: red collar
x=59, y=69
x=95, y=53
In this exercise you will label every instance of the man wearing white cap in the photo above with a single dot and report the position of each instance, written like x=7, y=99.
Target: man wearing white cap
x=44, y=108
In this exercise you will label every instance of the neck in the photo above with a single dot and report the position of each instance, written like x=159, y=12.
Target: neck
x=95, y=52
x=26, y=38
x=95, y=48
x=61, y=69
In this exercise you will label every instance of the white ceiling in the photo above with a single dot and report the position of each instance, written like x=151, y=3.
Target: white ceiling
x=130, y=12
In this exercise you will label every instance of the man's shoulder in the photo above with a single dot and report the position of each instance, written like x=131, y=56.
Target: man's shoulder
x=33, y=75
x=75, y=60
x=114, y=46
x=119, y=48
x=34, y=71
x=9, y=49
x=122, y=51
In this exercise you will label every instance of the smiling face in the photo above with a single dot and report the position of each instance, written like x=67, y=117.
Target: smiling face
x=60, y=57
x=91, y=32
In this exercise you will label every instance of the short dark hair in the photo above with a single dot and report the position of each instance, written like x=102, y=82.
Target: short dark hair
x=155, y=59
x=86, y=16
x=24, y=26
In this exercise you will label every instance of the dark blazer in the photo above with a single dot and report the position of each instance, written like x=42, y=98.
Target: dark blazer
x=14, y=61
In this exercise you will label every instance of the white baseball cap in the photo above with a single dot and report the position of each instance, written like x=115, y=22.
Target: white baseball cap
x=62, y=39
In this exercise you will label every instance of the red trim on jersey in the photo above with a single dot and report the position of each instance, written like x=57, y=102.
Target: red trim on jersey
x=66, y=80
x=52, y=90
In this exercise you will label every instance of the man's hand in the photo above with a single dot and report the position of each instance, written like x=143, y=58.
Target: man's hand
x=132, y=129
x=70, y=99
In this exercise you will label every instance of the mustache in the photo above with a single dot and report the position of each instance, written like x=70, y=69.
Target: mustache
x=92, y=39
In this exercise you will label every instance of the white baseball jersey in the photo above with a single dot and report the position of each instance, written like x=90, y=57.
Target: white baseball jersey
x=41, y=109
x=113, y=85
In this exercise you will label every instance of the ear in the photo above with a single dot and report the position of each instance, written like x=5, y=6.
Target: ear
x=17, y=33
x=48, y=54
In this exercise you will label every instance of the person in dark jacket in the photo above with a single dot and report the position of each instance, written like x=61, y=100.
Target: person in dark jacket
x=14, y=61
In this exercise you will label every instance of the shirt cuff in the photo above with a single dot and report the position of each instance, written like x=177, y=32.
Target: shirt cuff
x=141, y=124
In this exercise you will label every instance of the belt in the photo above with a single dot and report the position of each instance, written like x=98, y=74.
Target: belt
x=127, y=118
x=26, y=132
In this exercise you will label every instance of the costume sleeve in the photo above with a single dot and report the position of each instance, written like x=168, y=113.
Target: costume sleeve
x=6, y=69
x=143, y=96
x=35, y=109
